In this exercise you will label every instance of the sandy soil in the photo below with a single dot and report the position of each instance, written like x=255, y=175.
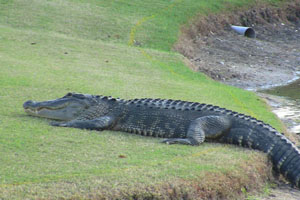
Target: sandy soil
x=271, y=59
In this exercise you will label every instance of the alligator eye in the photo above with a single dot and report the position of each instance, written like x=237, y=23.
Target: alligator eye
x=68, y=95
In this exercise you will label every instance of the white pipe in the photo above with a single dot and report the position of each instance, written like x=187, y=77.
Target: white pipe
x=245, y=31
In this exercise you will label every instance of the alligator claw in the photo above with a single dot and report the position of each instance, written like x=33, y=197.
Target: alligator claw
x=62, y=124
x=178, y=141
x=168, y=141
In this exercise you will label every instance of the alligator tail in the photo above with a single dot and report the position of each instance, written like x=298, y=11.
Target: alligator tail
x=284, y=155
x=286, y=159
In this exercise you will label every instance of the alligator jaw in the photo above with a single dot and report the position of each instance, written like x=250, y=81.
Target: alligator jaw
x=31, y=111
x=35, y=107
x=65, y=108
x=47, y=109
x=30, y=108
x=36, y=111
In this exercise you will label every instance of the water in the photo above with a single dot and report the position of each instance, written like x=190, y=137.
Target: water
x=288, y=107
x=291, y=91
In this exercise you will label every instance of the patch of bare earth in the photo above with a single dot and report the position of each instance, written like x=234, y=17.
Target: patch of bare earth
x=272, y=58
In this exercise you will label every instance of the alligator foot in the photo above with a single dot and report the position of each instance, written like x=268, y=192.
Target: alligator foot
x=61, y=124
x=100, y=123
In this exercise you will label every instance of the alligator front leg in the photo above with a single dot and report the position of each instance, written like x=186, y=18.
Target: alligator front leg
x=99, y=124
x=204, y=127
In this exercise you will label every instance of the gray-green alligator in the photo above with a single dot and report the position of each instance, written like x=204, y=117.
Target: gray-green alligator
x=178, y=121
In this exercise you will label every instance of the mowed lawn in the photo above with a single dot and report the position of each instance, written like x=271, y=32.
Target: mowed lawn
x=49, y=48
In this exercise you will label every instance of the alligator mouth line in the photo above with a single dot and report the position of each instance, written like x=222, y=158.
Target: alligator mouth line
x=35, y=110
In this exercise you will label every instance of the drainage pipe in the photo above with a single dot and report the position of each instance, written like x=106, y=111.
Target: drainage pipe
x=245, y=31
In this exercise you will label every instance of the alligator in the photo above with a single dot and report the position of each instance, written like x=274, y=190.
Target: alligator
x=178, y=122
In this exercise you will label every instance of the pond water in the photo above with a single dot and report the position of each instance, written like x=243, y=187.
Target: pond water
x=287, y=108
x=291, y=91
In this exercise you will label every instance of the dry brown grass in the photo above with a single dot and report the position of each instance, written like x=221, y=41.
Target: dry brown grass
x=228, y=185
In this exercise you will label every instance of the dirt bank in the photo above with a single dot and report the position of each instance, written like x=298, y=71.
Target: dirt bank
x=273, y=58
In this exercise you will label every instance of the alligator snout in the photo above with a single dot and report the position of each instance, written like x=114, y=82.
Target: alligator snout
x=28, y=104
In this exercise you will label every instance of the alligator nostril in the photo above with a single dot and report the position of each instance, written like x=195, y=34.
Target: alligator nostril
x=28, y=104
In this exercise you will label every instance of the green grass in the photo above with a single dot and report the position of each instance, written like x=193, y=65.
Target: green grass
x=111, y=20
x=49, y=48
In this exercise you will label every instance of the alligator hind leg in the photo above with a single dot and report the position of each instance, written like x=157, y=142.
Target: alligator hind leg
x=195, y=135
x=203, y=127
x=100, y=123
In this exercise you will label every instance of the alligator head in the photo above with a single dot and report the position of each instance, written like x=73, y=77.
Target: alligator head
x=66, y=108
